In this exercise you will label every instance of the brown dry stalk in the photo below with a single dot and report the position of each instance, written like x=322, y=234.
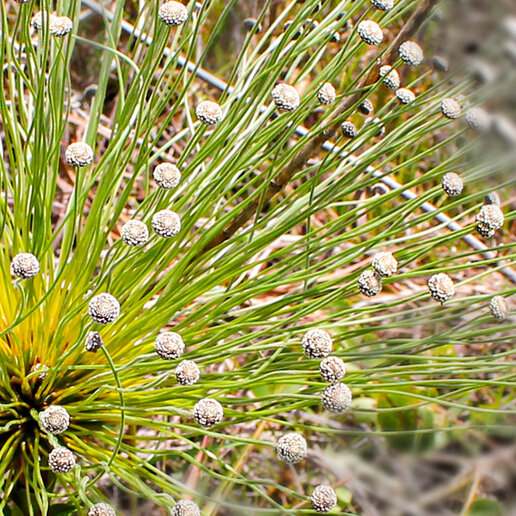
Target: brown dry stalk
x=314, y=146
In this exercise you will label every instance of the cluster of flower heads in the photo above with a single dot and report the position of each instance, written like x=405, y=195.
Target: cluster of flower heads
x=489, y=219
x=336, y=398
x=104, y=308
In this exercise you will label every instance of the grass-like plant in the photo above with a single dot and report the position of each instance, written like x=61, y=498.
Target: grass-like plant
x=279, y=213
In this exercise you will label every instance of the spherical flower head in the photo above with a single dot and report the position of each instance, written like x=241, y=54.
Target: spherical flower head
x=349, y=129
x=54, y=419
x=60, y=26
x=452, y=184
x=25, y=265
x=441, y=287
x=441, y=63
x=377, y=124
x=391, y=77
x=41, y=367
x=104, y=308
x=186, y=508
x=411, y=53
x=169, y=345
x=93, y=341
x=332, y=369
x=208, y=412
x=336, y=398
x=291, y=448
x=493, y=198
x=166, y=223
x=370, y=283
x=135, y=233
x=450, y=108
x=405, y=95
x=385, y=264
x=173, y=13
x=167, y=175
x=323, y=498
x=187, y=372
x=285, y=97
x=327, y=94
x=297, y=34
x=366, y=107
x=208, y=112
x=79, y=154
x=102, y=509
x=317, y=343
x=61, y=460
x=383, y=5
x=251, y=23
x=499, y=308
x=370, y=32
x=40, y=19
x=478, y=120
x=489, y=219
